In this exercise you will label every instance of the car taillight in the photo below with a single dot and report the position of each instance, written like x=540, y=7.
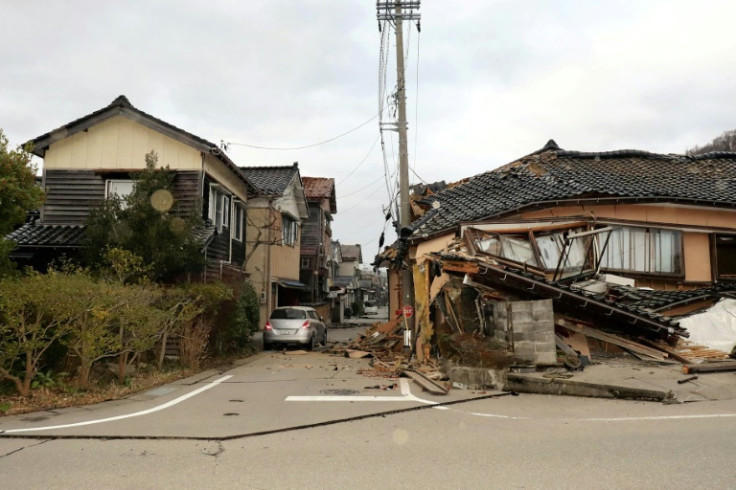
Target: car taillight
x=268, y=325
x=305, y=324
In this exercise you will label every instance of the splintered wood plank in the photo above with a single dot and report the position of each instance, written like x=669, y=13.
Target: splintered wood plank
x=426, y=383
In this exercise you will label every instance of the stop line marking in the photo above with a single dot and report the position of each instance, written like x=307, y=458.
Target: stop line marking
x=406, y=396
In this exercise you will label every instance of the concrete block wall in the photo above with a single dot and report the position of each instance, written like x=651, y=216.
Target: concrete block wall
x=533, y=330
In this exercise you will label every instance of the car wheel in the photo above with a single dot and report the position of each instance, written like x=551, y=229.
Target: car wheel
x=267, y=346
x=310, y=345
x=324, y=338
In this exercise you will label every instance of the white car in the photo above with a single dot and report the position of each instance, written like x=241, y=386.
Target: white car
x=299, y=325
x=370, y=308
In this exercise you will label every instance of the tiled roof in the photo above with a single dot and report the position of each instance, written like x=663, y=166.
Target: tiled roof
x=35, y=235
x=351, y=253
x=653, y=300
x=551, y=175
x=318, y=187
x=271, y=181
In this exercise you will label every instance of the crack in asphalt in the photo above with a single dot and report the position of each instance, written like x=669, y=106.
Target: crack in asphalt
x=22, y=448
x=248, y=435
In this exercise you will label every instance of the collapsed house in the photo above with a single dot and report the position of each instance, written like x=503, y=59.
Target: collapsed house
x=562, y=255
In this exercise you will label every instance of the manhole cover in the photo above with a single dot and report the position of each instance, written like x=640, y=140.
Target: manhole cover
x=340, y=392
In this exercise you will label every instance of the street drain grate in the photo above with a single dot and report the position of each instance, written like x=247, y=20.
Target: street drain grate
x=340, y=392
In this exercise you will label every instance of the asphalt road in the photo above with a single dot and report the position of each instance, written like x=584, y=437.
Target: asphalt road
x=312, y=420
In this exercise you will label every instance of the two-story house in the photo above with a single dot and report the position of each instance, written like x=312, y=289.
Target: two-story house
x=316, y=239
x=97, y=155
x=275, y=218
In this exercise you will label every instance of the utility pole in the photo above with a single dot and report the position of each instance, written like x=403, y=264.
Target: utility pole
x=398, y=11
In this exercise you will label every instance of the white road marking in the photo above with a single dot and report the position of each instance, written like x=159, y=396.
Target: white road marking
x=406, y=396
x=127, y=416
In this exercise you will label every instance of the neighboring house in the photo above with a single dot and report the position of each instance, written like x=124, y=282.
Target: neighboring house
x=352, y=257
x=316, y=240
x=86, y=160
x=348, y=272
x=338, y=294
x=574, y=226
x=275, y=218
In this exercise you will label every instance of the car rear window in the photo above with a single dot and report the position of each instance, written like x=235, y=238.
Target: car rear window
x=370, y=303
x=288, y=314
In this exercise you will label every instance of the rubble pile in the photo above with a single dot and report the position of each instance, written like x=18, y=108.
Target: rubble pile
x=474, y=308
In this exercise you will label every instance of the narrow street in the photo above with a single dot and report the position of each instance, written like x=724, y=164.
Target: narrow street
x=311, y=420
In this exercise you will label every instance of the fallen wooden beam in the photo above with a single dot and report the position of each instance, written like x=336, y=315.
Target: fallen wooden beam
x=426, y=383
x=612, y=339
x=709, y=367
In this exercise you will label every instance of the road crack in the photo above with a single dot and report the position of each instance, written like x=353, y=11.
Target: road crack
x=22, y=448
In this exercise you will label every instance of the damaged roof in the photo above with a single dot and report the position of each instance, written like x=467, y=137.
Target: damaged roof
x=552, y=175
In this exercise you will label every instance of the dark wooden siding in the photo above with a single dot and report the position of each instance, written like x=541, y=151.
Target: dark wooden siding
x=70, y=194
x=311, y=229
x=186, y=187
x=219, y=247
x=238, y=253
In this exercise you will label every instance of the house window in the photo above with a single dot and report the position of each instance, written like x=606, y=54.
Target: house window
x=726, y=256
x=305, y=262
x=219, y=208
x=119, y=187
x=289, y=231
x=644, y=250
x=238, y=221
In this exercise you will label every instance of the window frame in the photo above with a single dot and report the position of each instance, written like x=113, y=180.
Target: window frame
x=219, y=207
x=110, y=182
x=238, y=218
x=649, y=260
x=289, y=230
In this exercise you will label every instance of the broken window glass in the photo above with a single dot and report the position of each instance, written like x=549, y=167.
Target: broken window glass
x=518, y=249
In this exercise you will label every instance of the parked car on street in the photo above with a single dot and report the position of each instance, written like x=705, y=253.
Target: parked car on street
x=297, y=325
x=370, y=308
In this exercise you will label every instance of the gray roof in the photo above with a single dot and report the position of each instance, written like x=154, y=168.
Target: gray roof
x=36, y=235
x=551, y=175
x=271, y=181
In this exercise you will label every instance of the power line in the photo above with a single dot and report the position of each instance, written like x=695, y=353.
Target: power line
x=361, y=162
x=305, y=146
x=360, y=190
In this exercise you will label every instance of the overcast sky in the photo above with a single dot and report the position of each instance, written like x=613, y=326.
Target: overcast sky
x=487, y=81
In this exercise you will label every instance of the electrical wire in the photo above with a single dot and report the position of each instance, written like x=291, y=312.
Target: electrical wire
x=342, y=212
x=305, y=146
x=361, y=162
x=360, y=190
x=416, y=105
